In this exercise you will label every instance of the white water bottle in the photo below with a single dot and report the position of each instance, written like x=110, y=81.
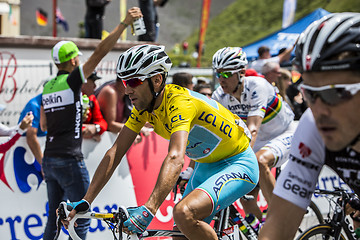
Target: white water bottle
x=138, y=27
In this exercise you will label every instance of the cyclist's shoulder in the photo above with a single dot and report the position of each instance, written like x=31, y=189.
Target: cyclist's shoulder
x=307, y=142
x=219, y=94
x=259, y=83
x=175, y=94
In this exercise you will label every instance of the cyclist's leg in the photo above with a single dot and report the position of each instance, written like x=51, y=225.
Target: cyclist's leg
x=55, y=195
x=183, y=211
x=75, y=189
x=190, y=211
x=224, y=182
x=250, y=206
x=273, y=154
x=266, y=159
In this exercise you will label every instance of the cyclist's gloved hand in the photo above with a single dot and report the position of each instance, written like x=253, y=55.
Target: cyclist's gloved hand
x=81, y=206
x=139, y=219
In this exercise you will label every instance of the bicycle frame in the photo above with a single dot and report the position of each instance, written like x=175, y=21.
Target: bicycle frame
x=334, y=225
x=339, y=222
x=118, y=218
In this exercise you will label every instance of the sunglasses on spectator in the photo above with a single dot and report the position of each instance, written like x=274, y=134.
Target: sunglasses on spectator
x=134, y=82
x=206, y=94
x=331, y=94
x=226, y=74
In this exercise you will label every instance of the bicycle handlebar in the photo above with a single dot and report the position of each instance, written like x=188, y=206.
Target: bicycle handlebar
x=65, y=209
x=118, y=218
x=350, y=198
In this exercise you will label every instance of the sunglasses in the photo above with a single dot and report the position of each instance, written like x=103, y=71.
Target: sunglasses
x=226, y=74
x=332, y=94
x=134, y=82
x=206, y=94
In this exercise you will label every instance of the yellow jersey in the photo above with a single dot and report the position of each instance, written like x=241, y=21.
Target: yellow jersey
x=214, y=132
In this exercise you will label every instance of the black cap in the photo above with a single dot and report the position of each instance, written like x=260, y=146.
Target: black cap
x=93, y=76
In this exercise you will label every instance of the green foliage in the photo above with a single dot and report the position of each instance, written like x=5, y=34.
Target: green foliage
x=178, y=59
x=246, y=21
x=81, y=26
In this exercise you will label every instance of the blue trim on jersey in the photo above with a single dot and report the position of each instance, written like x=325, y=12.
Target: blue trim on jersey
x=211, y=102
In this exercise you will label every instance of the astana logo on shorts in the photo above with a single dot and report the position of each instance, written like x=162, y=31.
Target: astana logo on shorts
x=22, y=170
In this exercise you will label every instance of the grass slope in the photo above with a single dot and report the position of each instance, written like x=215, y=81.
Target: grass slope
x=246, y=21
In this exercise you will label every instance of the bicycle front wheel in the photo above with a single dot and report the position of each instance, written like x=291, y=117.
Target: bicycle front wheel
x=321, y=231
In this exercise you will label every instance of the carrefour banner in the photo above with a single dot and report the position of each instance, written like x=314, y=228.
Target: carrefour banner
x=23, y=198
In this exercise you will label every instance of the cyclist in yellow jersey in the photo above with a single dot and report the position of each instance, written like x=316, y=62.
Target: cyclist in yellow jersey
x=214, y=132
x=226, y=167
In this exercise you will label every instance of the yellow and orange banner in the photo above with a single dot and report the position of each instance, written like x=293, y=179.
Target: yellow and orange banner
x=203, y=26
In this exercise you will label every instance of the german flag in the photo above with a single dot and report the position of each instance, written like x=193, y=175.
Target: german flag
x=41, y=17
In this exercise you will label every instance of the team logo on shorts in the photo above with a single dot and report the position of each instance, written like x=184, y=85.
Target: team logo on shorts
x=145, y=214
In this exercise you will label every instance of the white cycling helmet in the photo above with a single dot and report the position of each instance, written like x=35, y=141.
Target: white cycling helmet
x=229, y=58
x=319, y=46
x=143, y=60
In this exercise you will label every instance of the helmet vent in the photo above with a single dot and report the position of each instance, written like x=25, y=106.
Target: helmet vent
x=127, y=62
x=147, y=62
x=138, y=57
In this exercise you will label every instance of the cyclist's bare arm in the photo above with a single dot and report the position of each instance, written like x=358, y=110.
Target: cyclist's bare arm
x=107, y=44
x=253, y=123
x=169, y=171
x=33, y=142
x=43, y=122
x=281, y=213
x=107, y=166
x=109, y=163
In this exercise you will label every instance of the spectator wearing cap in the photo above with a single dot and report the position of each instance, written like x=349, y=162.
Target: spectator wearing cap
x=183, y=79
x=94, y=123
x=264, y=57
x=63, y=163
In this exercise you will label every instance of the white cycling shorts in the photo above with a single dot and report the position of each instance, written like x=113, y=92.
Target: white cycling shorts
x=279, y=146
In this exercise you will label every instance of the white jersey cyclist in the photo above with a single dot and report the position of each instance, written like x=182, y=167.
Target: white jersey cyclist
x=308, y=154
x=259, y=98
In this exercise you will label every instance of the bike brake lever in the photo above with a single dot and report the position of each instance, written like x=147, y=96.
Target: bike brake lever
x=176, y=187
x=61, y=215
x=124, y=215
